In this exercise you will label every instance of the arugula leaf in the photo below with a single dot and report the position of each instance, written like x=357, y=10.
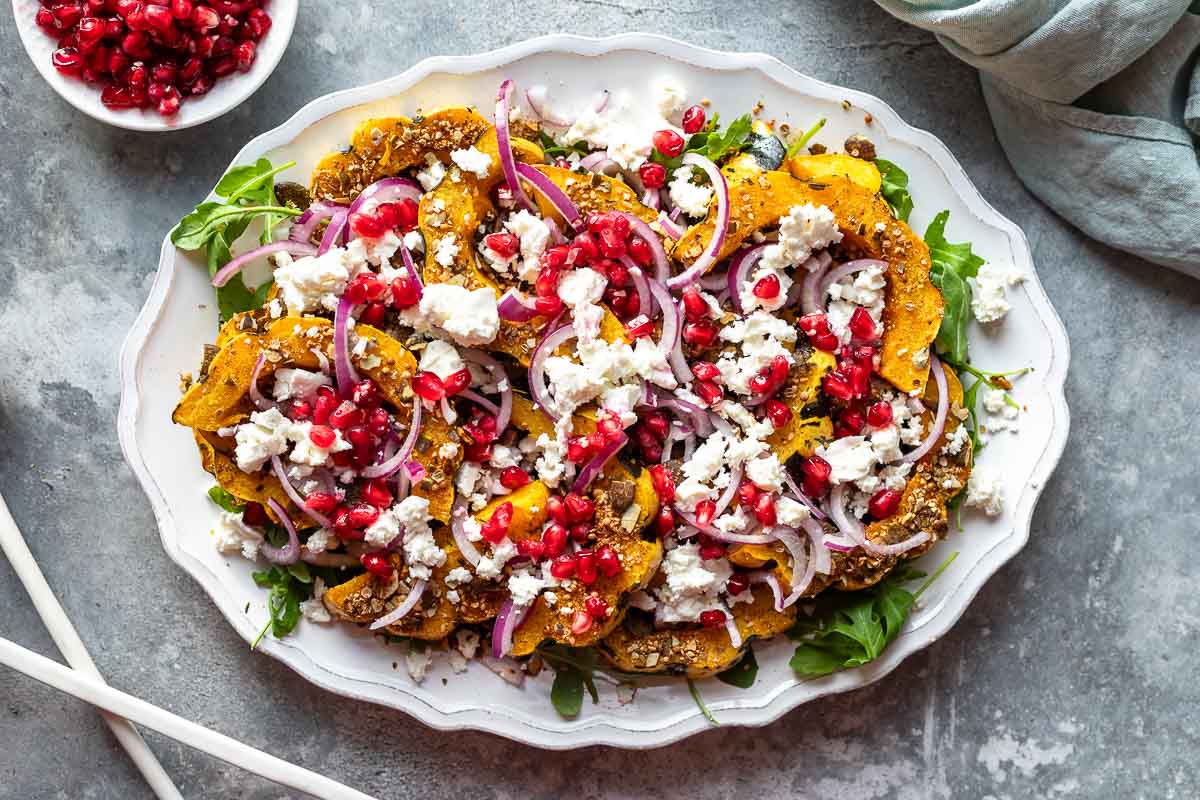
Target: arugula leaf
x=567, y=692
x=951, y=265
x=743, y=673
x=795, y=146
x=198, y=228
x=285, y=593
x=718, y=145
x=982, y=377
x=574, y=671
x=895, y=188
x=700, y=702
x=854, y=629
x=552, y=149
x=226, y=500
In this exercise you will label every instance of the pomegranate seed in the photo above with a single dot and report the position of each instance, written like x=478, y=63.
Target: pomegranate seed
x=861, y=325
x=457, y=381
x=747, y=493
x=377, y=565
x=838, y=385
x=365, y=287
x=345, y=416
x=711, y=551
x=67, y=60
x=478, y=452
x=737, y=583
x=321, y=502
x=852, y=420
x=596, y=607
x=555, y=540
x=373, y=314
x=90, y=30
x=705, y=371
x=377, y=493
x=324, y=405
x=255, y=514
x=825, y=341
x=244, y=54
x=579, y=508
x=609, y=426
x=359, y=436
x=428, y=386
x=581, y=623
x=585, y=567
x=664, y=522
x=513, y=478
x=654, y=176
x=612, y=243
x=694, y=306
x=182, y=9
x=204, y=18
x=379, y=422
x=548, y=306
x=608, y=561
x=668, y=142
x=136, y=44
x=814, y=324
x=693, y=119
x=220, y=67
x=817, y=472
x=709, y=392
x=761, y=384
x=640, y=251
x=580, y=532
x=138, y=74
x=639, y=326
x=118, y=63
x=767, y=288
x=554, y=258
x=159, y=17
x=363, y=515
x=579, y=449
x=228, y=24
x=764, y=509
x=343, y=459
x=532, y=549
x=879, y=415
x=406, y=292
x=705, y=511
x=884, y=503
x=300, y=410
x=556, y=509
x=563, y=567
x=169, y=104
x=504, y=245
x=67, y=15
x=114, y=96
x=860, y=379
x=482, y=428
x=45, y=19
x=778, y=412
x=713, y=618
x=258, y=22
x=701, y=334
x=664, y=483
x=657, y=423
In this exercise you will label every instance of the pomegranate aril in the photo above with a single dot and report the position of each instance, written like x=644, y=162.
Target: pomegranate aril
x=377, y=565
x=747, y=493
x=363, y=515
x=554, y=538
x=345, y=416
x=693, y=119
x=778, y=412
x=705, y=510
x=556, y=509
x=204, y=18
x=136, y=44
x=513, y=478
x=861, y=325
x=321, y=502
x=705, y=371
x=701, y=334
x=365, y=393
x=711, y=551
x=585, y=567
x=90, y=30
x=258, y=22
x=66, y=15
x=663, y=482
x=737, y=583
x=67, y=60
x=45, y=19
x=118, y=65
x=580, y=532
x=639, y=326
x=713, y=618
x=838, y=385
x=852, y=420
x=654, y=176
x=428, y=386
x=608, y=561
x=879, y=415
x=255, y=514
x=159, y=17
x=532, y=549
x=222, y=45
x=376, y=493
x=694, y=306
x=668, y=142
x=767, y=288
x=664, y=522
x=563, y=567
x=244, y=54
x=406, y=293
x=373, y=314
x=709, y=392
x=596, y=607
x=884, y=503
x=548, y=306
x=379, y=422
x=478, y=452
x=764, y=509
x=579, y=508
x=657, y=423
x=457, y=381
x=581, y=622
x=182, y=9
x=164, y=72
x=138, y=74
x=504, y=245
x=300, y=410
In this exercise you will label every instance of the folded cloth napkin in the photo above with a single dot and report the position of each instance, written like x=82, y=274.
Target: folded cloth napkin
x=1096, y=103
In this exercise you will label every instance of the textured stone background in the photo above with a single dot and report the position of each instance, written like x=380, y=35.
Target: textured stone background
x=1073, y=674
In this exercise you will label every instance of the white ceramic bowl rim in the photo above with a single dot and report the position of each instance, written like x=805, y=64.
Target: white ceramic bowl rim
x=585, y=730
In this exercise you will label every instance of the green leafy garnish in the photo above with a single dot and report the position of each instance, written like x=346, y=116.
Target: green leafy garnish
x=743, y=673
x=248, y=193
x=951, y=265
x=848, y=630
x=574, y=671
x=795, y=146
x=553, y=149
x=711, y=142
x=226, y=500
x=895, y=188
x=700, y=702
x=286, y=592
x=982, y=377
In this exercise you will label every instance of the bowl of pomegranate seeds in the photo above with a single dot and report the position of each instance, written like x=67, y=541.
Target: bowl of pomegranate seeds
x=153, y=65
x=637, y=387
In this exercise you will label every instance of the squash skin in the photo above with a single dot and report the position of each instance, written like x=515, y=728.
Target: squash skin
x=697, y=652
x=816, y=168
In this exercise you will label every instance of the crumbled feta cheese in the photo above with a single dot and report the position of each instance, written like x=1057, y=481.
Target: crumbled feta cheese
x=446, y=249
x=802, y=231
x=690, y=492
x=956, y=441
x=691, y=197
x=866, y=289
x=441, y=358
x=751, y=301
x=552, y=463
x=458, y=576
x=297, y=384
x=707, y=460
x=692, y=584
x=421, y=551
x=414, y=241
x=985, y=492
x=851, y=458
x=737, y=520
x=307, y=451
x=469, y=317
x=314, y=609
x=231, y=535
x=433, y=173
x=791, y=513
x=264, y=436
x=534, y=234
x=524, y=587
x=489, y=567
x=669, y=97
x=586, y=320
x=314, y=283
x=989, y=301
x=766, y=473
x=418, y=660
x=473, y=160
x=320, y=540
x=581, y=286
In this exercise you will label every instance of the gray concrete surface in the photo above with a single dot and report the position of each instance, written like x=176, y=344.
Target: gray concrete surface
x=1073, y=674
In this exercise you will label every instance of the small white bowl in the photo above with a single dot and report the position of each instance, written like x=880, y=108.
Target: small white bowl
x=227, y=94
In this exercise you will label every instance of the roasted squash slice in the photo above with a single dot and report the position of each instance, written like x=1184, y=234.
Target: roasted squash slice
x=529, y=510
x=257, y=488
x=914, y=305
x=810, y=424
x=815, y=168
x=697, y=652
x=590, y=192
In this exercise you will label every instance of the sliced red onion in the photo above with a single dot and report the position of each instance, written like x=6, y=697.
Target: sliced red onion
x=448, y=412
x=554, y=195
x=939, y=419
x=401, y=611
x=640, y=285
x=599, y=162
x=915, y=406
x=671, y=330
x=235, y=266
x=853, y=528
x=415, y=470
x=335, y=232
x=412, y=270
x=800, y=559
x=538, y=98
x=662, y=265
x=537, y=369
x=679, y=365
x=669, y=226
x=387, y=190
x=739, y=273
x=508, y=162
x=811, y=298
x=289, y=553
x=458, y=516
x=507, y=621
x=735, y=480
x=802, y=497
x=769, y=578
x=306, y=224
x=842, y=270
x=256, y=396
x=294, y=496
x=822, y=562
x=735, y=636
x=600, y=101
x=594, y=467
x=390, y=466
x=556, y=235
x=698, y=416
x=720, y=220
x=651, y=199
x=346, y=376
x=322, y=359
x=503, y=385
x=733, y=538
x=516, y=306
x=840, y=544
x=715, y=282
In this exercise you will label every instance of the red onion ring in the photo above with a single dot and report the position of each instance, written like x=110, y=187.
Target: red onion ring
x=767, y=577
x=813, y=508
x=671, y=330
x=256, y=396
x=416, y=471
x=507, y=621
x=508, y=162
x=669, y=226
x=401, y=611
x=412, y=271
x=651, y=199
x=599, y=162
x=389, y=467
x=289, y=553
x=481, y=401
x=235, y=266
x=387, y=190
x=294, y=496
x=720, y=535
x=739, y=273
x=720, y=221
x=516, y=306
x=458, y=515
x=842, y=270
x=503, y=385
x=554, y=195
x=679, y=365
x=851, y=527
x=537, y=97
x=822, y=562
x=840, y=544
x=640, y=285
x=939, y=419
x=662, y=264
x=335, y=232
x=306, y=224
x=537, y=369
x=811, y=299
x=735, y=636
x=345, y=376
x=594, y=467
x=555, y=232
x=715, y=282
x=735, y=479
